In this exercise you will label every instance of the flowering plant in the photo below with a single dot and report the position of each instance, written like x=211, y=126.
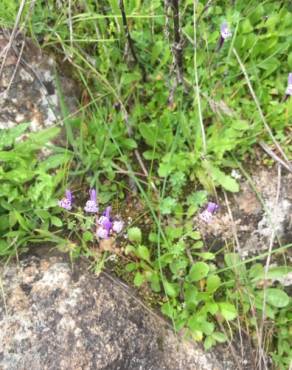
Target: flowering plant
x=106, y=225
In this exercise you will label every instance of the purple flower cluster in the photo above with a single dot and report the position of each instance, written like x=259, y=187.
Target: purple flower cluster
x=106, y=226
x=66, y=202
x=207, y=214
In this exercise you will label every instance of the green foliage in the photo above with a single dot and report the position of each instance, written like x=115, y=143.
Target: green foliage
x=27, y=187
x=200, y=287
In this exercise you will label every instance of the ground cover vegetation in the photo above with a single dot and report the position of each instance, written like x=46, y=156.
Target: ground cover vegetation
x=174, y=96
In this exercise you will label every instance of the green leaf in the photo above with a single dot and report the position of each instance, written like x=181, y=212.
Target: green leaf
x=233, y=261
x=228, y=311
x=87, y=236
x=226, y=181
x=8, y=137
x=155, y=283
x=139, y=279
x=213, y=283
x=207, y=256
x=171, y=289
x=149, y=133
x=54, y=161
x=167, y=205
x=4, y=222
x=277, y=297
x=56, y=221
x=198, y=271
x=275, y=272
x=135, y=235
x=197, y=245
x=219, y=337
x=168, y=310
x=143, y=253
x=209, y=342
x=211, y=307
x=130, y=267
x=195, y=235
x=5, y=250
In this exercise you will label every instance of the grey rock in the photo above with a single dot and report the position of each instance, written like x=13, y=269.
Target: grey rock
x=28, y=85
x=53, y=317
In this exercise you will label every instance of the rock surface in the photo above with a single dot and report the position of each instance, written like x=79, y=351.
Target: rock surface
x=54, y=318
x=28, y=87
x=251, y=222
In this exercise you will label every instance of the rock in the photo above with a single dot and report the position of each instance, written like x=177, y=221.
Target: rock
x=53, y=317
x=28, y=87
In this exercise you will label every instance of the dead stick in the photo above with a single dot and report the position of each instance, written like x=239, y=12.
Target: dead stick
x=130, y=40
x=177, y=45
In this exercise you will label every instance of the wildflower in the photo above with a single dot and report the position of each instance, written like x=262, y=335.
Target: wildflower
x=207, y=214
x=91, y=205
x=118, y=226
x=212, y=207
x=225, y=31
x=107, y=225
x=66, y=202
x=289, y=87
x=225, y=34
x=102, y=233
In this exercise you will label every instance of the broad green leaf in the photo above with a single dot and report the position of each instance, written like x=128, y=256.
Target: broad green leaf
x=209, y=342
x=143, y=253
x=207, y=256
x=155, y=283
x=277, y=297
x=213, y=283
x=167, y=205
x=198, y=271
x=87, y=236
x=171, y=289
x=135, y=235
x=233, y=261
x=219, y=337
x=274, y=272
x=56, y=221
x=168, y=310
x=131, y=267
x=228, y=311
x=226, y=181
x=139, y=279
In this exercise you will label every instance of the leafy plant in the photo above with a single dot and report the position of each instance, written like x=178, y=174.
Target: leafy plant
x=27, y=186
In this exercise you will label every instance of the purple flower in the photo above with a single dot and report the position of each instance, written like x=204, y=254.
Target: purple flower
x=212, y=207
x=66, y=202
x=118, y=226
x=289, y=87
x=225, y=31
x=91, y=205
x=207, y=214
x=102, y=233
